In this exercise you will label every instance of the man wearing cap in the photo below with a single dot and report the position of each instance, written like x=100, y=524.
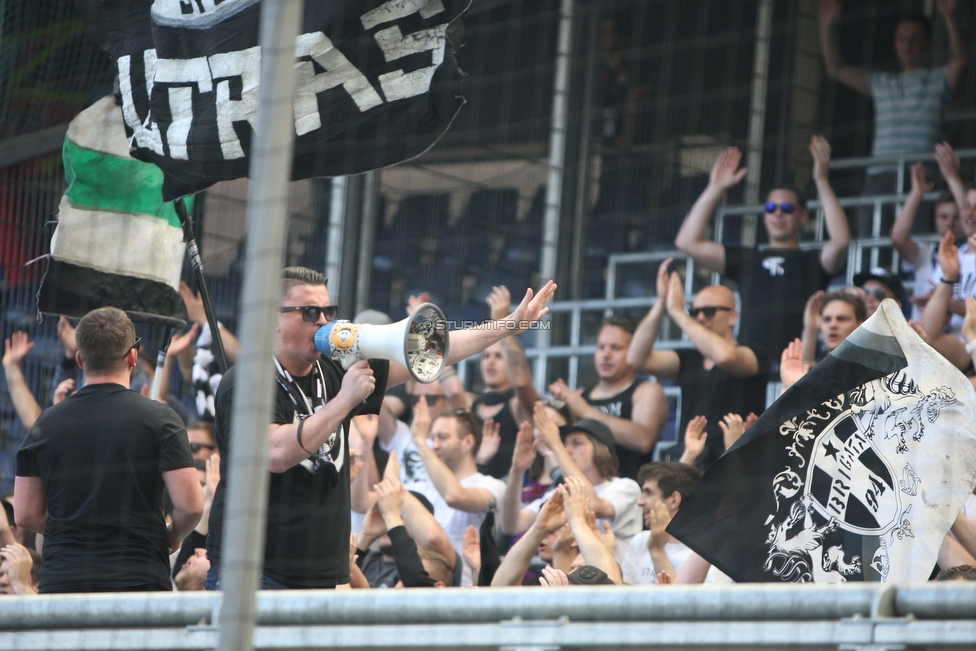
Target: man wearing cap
x=717, y=377
x=879, y=284
x=586, y=451
x=774, y=281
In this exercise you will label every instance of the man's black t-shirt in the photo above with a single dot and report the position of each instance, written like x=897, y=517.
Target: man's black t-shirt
x=100, y=454
x=622, y=406
x=715, y=392
x=308, y=507
x=774, y=285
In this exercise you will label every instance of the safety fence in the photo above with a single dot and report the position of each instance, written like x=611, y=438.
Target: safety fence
x=846, y=616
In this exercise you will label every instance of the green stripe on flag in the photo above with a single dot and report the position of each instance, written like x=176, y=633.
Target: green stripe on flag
x=102, y=181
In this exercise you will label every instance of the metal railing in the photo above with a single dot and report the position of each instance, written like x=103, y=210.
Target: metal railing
x=754, y=616
x=863, y=253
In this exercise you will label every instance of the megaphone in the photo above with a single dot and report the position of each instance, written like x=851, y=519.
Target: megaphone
x=419, y=342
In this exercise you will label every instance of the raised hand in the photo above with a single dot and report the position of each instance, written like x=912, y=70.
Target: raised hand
x=367, y=425
x=791, y=364
x=353, y=548
x=820, y=151
x=553, y=578
x=194, y=304
x=547, y=429
x=414, y=301
x=947, y=161
x=811, y=313
x=63, y=390
x=732, y=428
x=663, y=578
x=179, y=343
x=676, y=295
x=500, y=302
x=491, y=439
x=524, y=454
x=472, y=549
x=390, y=495
x=725, y=172
x=695, y=437
x=949, y=257
x=829, y=11
x=20, y=564
x=575, y=502
x=66, y=333
x=664, y=281
x=532, y=308
x=420, y=427
x=750, y=420
x=919, y=185
x=551, y=515
x=16, y=348
x=946, y=7
x=211, y=478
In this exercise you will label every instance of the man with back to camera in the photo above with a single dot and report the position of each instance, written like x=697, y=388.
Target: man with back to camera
x=91, y=473
x=774, y=281
x=719, y=375
x=308, y=521
x=635, y=410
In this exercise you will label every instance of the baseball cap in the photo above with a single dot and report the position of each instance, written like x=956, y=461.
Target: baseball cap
x=886, y=278
x=594, y=428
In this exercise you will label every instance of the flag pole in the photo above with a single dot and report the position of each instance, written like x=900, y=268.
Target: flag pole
x=197, y=264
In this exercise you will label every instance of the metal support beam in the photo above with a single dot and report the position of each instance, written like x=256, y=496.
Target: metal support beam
x=367, y=235
x=333, y=252
x=271, y=161
x=557, y=157
x=757, y=114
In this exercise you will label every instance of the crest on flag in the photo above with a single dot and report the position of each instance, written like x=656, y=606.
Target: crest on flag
x=856, y=473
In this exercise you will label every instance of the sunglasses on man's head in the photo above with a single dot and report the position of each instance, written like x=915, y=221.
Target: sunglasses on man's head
x=310, y=313
x=195, y=447
x=709, y=311
x=787, y=207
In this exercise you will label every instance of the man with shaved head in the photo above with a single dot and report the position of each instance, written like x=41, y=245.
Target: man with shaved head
x=717, y=377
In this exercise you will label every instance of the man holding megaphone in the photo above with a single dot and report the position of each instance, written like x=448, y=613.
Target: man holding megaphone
x=307, y=537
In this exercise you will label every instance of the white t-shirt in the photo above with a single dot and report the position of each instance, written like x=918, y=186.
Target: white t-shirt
x=627, y=521
x=638, y=568
x=455, y=522
x=927, y=262
x=965, y=287
x=413, y=474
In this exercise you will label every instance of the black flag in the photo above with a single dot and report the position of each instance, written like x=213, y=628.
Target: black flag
x=855, y=474
x=376, y=83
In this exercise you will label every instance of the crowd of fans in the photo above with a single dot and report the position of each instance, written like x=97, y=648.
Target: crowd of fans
x=378, y=481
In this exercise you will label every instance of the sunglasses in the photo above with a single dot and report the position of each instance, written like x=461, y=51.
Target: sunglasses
x=136, y=345
x=709, y=311
x=195, y=447
x=879, y=294
x=787, y=207
x=310, y=313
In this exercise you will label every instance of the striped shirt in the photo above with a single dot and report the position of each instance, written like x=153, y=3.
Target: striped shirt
x=907, y=111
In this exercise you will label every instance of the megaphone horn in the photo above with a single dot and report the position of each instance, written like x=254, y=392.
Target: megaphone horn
x=419, y=342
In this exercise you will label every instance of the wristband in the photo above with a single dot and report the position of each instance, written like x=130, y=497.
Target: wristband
x=948, y=282
x=448, y=372
x=970, y=347
x=298, y=435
